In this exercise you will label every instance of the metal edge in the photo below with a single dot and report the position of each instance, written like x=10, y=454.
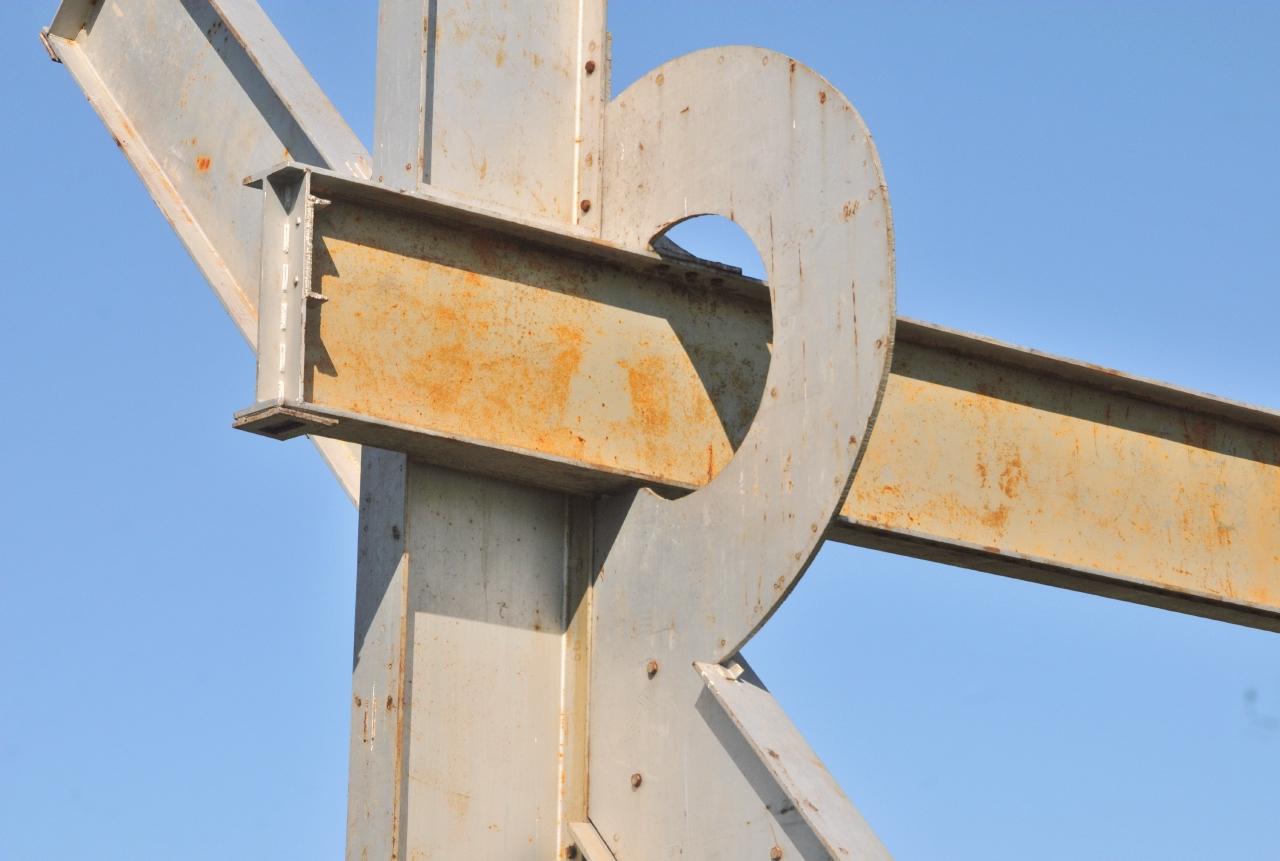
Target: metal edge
x=44, y=40
x=166, y=197
x=461, y=209
x=589, y=842
x=289, y=79
x=1047, y=572
x=1095, y=376
x=336, y=424
x=193, y=239
x=773, y=737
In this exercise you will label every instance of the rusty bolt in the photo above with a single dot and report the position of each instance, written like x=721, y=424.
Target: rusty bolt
x=571, y=851
x=409, y=166
x=775, y=853
x=590, y=67
x=652, y=669
x=586, y=205
x=636, y=780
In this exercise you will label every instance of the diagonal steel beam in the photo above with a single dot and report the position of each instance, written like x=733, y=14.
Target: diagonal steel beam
x=197, y=94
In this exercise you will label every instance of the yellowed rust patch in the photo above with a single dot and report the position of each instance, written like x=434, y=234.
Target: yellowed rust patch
x=472, y=334
x=974, y=451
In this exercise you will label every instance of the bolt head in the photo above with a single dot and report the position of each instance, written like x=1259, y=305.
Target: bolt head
x=586, y=205
x=590, y=66
x=775, y=853
x=636, y=780
x=652, y=669
x=571, y=851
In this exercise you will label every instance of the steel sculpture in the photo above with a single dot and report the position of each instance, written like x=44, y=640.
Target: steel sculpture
x=590, y=465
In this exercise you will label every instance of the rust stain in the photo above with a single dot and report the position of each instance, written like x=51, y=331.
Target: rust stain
x=460, y=332
x=1086, y=478
x=650, y=398
x=997, y=519
x=203, y=163
x=1011, y=476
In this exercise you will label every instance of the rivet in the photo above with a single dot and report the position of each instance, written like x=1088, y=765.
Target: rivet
x=636, y=780
x=652, y=669
x=571, y=851
x=775, y=853
x=586, y=205
x=590, y=67
x=408, y=166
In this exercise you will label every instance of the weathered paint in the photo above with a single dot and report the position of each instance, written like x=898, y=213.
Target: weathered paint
x=470, y=344
x=806, y=792
x=593, y=374
x=475, y=100
x=474, y=334
x=1046, y=469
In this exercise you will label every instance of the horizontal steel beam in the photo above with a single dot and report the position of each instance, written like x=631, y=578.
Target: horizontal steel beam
x=505, y=345
x=1014, y=462
x=516, y=347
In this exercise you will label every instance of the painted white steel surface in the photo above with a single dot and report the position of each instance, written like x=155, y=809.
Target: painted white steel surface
x=492, y=99
x=486, y=590
x=489, y=658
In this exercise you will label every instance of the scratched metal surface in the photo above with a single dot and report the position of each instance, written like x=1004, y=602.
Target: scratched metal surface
x=1030, y=466
x=1175, y=504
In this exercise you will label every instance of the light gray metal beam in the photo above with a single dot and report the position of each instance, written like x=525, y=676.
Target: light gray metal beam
x=198, y=95
x=472, y=619
x=513, y=221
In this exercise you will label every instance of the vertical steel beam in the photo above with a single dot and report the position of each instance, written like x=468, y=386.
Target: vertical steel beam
x=469, y=709
x=502, y=102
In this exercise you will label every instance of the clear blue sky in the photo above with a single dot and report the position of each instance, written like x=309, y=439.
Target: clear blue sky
x=1094, y=180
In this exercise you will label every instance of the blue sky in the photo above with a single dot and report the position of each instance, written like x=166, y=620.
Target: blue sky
x=1095, y=180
